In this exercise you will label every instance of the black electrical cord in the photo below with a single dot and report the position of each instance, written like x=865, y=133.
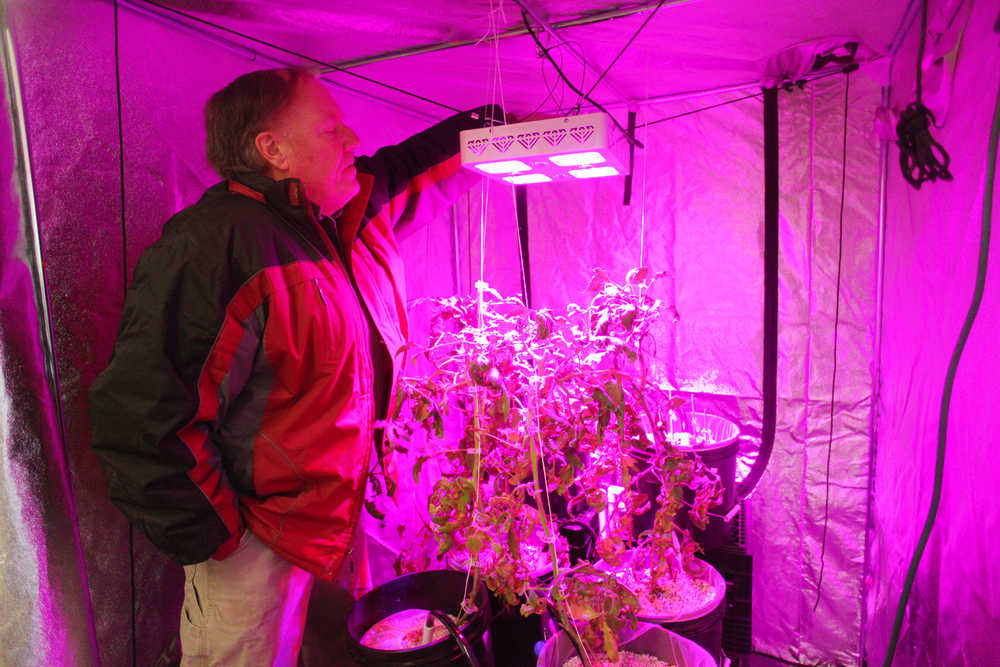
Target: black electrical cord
x=970, y=318
x=627, y=44
x=322, y=63
x=632, y=140
x=921, y=158
x=836, y=331
x=121, y=181
x=456, y=634
x=551, y=93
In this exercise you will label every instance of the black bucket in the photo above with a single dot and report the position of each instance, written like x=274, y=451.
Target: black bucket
x=438, y=590
x=514, y=636
x=719, y=455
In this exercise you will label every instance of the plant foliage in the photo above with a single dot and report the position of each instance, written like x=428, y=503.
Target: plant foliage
x=559, y=417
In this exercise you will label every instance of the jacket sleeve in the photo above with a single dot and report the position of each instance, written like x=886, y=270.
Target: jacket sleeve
x=155, y=407
x=423, y=175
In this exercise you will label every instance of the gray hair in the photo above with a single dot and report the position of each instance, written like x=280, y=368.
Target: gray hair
x=235, y=115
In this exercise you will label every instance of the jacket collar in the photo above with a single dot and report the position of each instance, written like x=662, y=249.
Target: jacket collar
x=287, y=197
x=352, y=218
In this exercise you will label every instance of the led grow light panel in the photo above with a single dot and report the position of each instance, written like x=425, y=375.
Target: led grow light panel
x=560, y=149
x=503, y=167
x=578, y=159
x=523, y=179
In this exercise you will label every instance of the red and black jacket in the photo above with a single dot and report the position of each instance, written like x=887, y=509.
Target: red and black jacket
x=242, y=388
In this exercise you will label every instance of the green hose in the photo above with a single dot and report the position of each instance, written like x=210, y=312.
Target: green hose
x=984, y=253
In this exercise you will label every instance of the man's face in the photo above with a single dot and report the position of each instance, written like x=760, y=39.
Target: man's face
x=318, y=147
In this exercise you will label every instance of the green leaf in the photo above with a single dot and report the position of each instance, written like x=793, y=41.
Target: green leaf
x=612, y=606
x=418, y=465
x=543, y=329
x=628, y=319
x=400, y=399
x=602, y=398
x=438, y=424
x=598, y=280
x=638, y=274
x=445, y=543
x=610, y=642
x=614, y=391
x=602, y=424
x=370, y=506
x=574, y=459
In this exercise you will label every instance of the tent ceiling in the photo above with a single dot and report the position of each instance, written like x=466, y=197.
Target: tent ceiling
x=689, y=45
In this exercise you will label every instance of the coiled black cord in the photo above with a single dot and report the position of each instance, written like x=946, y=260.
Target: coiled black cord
x=920, y=157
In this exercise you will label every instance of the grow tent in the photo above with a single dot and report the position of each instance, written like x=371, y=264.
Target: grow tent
x=874, y=276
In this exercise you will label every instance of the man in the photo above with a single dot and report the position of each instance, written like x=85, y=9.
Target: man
x=235, y=420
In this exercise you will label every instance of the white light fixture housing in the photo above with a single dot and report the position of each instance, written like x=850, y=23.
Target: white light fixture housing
x=567, y=148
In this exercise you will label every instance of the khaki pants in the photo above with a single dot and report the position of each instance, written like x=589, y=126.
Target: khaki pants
x=249, y=609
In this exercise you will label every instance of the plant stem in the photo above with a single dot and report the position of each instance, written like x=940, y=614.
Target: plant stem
x=570, y=629
x=476, y=466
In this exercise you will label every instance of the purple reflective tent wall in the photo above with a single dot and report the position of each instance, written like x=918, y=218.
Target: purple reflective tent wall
x=696, y=212
x=932, y=249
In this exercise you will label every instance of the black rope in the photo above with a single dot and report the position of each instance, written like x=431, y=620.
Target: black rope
x=315, y=61
x=921, y=158
x=551, y=96
x=121, y=182
x=836, y=332
x=545, y=52
x=627, y=44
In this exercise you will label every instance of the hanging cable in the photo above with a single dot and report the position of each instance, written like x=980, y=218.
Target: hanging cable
x=121, y=181
x=949, y=382
x=550, y=96
x=920, y=157
x=545, y=52
x=550, y=89
x=836, y=331
x=303, y=56
x=624, y=48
